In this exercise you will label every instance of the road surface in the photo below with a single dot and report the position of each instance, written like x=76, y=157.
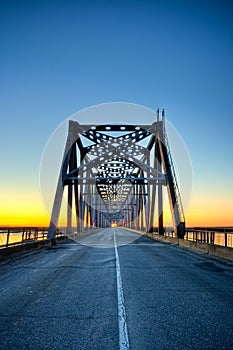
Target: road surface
x=104, y=295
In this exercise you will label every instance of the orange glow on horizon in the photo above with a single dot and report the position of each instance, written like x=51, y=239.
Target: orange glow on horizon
x=209, y=211
x=21, y=208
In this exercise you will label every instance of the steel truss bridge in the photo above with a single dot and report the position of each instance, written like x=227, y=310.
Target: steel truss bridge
x=116, y=175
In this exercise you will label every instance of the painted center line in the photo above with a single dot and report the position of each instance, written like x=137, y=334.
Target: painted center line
x=123, y=332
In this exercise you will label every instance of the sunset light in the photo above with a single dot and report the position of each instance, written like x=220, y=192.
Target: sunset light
x=116, y=181
x=192, y=87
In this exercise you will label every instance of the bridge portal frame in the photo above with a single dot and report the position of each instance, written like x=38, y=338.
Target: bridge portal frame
x=153, y=169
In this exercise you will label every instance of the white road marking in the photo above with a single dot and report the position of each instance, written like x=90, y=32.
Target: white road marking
x=123, y=332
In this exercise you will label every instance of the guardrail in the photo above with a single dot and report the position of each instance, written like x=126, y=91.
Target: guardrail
x=10, y=236
x=222, y=236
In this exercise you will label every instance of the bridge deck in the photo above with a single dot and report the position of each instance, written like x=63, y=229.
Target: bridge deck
x=68, y=297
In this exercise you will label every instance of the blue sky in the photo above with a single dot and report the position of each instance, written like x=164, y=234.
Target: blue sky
x=58, y=57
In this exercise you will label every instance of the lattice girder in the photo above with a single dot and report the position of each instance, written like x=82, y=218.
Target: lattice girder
x=116, y=176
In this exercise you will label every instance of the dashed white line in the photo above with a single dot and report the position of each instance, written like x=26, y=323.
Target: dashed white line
x=123, y=331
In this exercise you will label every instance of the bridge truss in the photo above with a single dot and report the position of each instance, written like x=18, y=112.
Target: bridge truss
x=115, y=175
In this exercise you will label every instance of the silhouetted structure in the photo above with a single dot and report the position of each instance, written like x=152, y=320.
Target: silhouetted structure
x=115, y=174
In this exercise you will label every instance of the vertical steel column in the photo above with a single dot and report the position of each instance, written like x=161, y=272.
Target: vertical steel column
x=72, y=166
x=136, y=205
x=86, y=214
x=69, y=209
x=76, y=186
x=76, y=195
x=160, y=191
x=92, y=205
x=87, y=201
x=133, y=207
x=152, y=212
x=98, y=211
x=153, y=194
x=141, y=207
x=148, y=225
x=144, y=203
x=81, y=201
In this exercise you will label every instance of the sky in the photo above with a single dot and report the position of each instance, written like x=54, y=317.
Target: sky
x=59, y=57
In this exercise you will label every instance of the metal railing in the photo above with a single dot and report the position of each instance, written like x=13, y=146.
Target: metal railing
x=10, y=236
x=222, y=236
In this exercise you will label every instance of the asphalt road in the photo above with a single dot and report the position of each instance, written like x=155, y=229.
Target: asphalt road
x=111, y=291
